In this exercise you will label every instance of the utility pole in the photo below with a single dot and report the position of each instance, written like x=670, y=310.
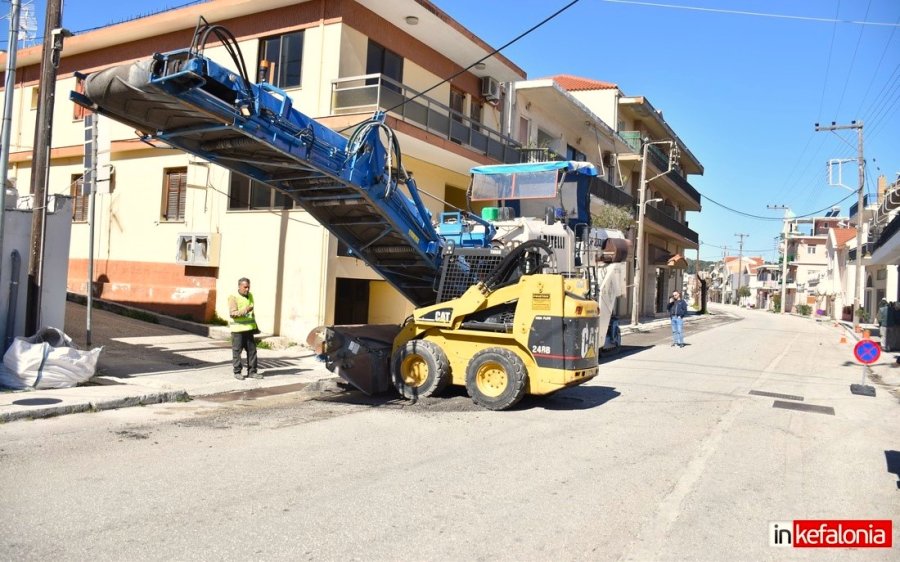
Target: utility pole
x=724, y=271
x=637, y=286
x=740, y=264
x=860, y=208
x=786, y=231
x=40, y=160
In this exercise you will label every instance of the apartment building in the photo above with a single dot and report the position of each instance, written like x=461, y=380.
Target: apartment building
x=807, y=267
x=882, y=247
x=339, y=61
x=552, y=124
x=670, y=195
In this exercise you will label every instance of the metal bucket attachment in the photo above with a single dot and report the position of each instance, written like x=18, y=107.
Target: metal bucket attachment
x=361, y=355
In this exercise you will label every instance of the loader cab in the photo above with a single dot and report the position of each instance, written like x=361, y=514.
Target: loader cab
x=549, y=191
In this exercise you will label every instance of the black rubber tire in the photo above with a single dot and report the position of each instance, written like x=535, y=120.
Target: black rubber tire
x=418, y=355
x=499, y=370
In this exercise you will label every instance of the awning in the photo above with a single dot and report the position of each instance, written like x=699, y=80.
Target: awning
x=533, y=167
x=677, y=261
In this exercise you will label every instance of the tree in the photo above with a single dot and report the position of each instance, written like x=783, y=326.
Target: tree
x=744, y=291
x=615, y=217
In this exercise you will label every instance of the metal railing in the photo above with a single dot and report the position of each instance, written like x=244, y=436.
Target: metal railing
x=604, y=190
x=867, y=200
x=659, y=159
x=668, y=222
x=891, y=230
x=361, y=94
x=539, y=155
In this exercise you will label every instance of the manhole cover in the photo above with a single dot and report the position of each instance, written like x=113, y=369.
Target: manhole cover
x=36, y=401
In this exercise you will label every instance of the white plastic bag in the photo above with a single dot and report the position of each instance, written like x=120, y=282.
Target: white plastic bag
x=49, y=359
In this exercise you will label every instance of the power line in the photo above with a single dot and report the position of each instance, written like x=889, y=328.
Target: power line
x=852, y=61
x=877, y=68
x=755, y=14
x=828, y=64
x=760, y=217
x=482, y=59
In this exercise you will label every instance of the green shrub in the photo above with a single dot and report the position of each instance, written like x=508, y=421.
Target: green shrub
x=804, y=309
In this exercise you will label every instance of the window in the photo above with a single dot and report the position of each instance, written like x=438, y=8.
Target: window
x=475, y=111
x=384, y=61
x=524, y=131
x=457, y=102
x=80, y=199
x=284, y=55
x=174, y=194
x=245, y=194
x=78, y=111
x=573, y=153
x=810, y=249
x=35, y=95
x=881, y=274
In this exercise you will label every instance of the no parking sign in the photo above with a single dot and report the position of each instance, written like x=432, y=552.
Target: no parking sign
x=867, y=352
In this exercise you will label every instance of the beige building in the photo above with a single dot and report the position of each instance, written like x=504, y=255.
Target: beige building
x=667, y=234
x=339, y=62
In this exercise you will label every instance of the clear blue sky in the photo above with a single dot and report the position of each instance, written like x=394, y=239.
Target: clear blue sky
x=742, y=91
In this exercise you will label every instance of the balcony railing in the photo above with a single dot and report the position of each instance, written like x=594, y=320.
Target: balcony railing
x=866, y=201
x=607, y=192
x=668, y=222
x=659, y=159
x=632, y=139
x=887, y=233
x=539, y=155
x=362, y=94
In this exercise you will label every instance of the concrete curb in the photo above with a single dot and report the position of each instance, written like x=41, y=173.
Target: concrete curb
x=95, y=406
x=141, y=314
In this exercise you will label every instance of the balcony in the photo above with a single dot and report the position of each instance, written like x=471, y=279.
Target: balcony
x=604, y=190
x=371, y=92
x=659, y=159
x=539, y=155
x=867, y=200
x=665, y=221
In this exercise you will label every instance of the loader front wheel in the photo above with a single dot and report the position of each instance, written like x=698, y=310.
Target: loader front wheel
x=420, y=368
x=496, y=378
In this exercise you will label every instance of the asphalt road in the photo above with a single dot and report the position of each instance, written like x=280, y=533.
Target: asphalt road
x=665, y=456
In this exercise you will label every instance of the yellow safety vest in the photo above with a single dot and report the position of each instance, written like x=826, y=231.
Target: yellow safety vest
x=245, y=323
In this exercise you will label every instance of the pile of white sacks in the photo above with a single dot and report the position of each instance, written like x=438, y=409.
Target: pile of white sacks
x=48, y=359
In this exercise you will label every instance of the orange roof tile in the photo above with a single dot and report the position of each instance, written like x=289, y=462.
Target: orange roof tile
x=843, y=235
x=574, y=83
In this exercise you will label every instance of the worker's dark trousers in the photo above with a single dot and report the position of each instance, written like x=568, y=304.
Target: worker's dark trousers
x=243, y=341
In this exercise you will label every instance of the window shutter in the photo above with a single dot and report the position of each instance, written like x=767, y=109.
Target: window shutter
x=176, y=194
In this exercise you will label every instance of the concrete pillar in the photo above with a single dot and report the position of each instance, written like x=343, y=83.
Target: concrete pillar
x=892, y=286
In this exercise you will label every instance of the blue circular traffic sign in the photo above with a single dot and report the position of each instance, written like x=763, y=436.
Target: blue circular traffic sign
x=867, y=351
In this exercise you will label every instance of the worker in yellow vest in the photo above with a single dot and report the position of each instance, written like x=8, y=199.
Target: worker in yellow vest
x=243, y=328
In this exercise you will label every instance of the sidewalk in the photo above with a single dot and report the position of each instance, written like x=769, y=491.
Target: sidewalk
x=148, y=363
x=648, y=323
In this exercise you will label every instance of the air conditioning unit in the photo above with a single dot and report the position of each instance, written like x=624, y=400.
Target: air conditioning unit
x=490, y=88
x=198, y=248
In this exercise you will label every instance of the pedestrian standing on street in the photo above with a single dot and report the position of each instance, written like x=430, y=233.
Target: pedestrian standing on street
x=243, y=328
x=677, y=310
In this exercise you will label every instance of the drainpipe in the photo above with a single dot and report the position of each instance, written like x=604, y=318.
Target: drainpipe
x=9, y=93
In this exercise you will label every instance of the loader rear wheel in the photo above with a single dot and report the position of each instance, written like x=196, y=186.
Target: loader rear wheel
x=419, y=369
x=496, y=378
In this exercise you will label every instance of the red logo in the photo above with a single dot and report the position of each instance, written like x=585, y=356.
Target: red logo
x=832, y=533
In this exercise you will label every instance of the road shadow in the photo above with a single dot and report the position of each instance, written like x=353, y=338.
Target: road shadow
x=624, y=351
x=893, y=464
x=575, y=398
